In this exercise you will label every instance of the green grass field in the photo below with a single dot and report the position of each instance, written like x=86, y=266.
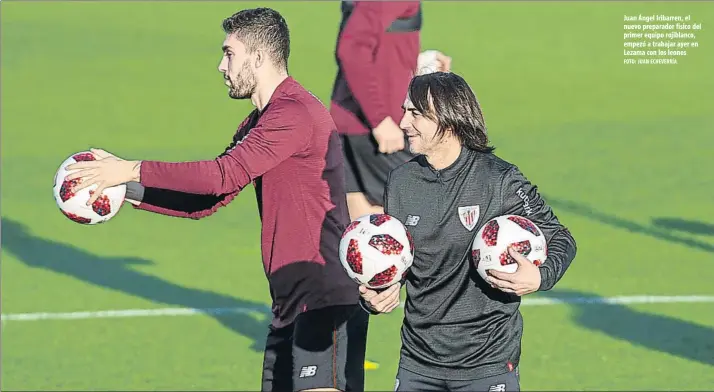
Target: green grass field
x=622, y=152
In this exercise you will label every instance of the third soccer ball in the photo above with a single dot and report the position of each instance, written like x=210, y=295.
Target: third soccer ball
x=74, y=204
x=427, y=62
x=376, y=250
x=490, y=247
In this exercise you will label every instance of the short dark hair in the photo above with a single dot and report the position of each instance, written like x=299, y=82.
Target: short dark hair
x=261, y=28
x=455, y=108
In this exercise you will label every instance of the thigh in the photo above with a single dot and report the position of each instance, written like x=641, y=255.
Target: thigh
x=329, y=347
x=352, y=180
x=410, y=381
x=505, y=382
x=278, y=361
x=369, y=167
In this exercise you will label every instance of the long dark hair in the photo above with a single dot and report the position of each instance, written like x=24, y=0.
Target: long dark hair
x=446, y=98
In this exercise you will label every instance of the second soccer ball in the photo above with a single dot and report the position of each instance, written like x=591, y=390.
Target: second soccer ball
x=74, y=204
x=490, y=247
x=376, y=250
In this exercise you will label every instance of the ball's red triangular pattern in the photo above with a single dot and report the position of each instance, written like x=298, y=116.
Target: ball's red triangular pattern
x=350, y=228
x=522, y=247
x=76, y=218
x=383, y=277
x=386, y=244
x=411, y=241
x=378, y=219
x=506, y=259
x=476, y=257
x=525, y=224
x=101, y=206
x=490, y=233
x=354, y=256
x=67, y=189
x=84, y=156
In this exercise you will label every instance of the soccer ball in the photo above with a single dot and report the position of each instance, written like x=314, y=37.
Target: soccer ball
x=74, y=205
x=427, y=62
x=490, y=247
x=376, y=250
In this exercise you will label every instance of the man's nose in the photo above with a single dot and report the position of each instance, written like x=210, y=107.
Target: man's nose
x=404, y=122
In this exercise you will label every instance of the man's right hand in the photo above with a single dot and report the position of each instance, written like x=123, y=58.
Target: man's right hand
x=389, y=136
x=382, y=302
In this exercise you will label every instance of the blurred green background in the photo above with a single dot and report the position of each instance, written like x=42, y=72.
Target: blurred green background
x=622, y=152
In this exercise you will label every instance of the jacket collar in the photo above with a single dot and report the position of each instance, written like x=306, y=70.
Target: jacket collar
x=464, y=160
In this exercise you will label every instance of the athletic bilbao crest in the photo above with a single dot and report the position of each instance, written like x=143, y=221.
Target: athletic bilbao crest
x=469, y=216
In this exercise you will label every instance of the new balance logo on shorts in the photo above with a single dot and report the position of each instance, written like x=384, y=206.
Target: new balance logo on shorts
x=497, y=388
x=308, y=371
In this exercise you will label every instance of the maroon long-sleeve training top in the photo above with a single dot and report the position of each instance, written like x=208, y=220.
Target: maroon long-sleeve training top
x=292, y=154
x=375, y=65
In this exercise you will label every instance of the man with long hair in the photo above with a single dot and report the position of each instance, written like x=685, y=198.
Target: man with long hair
x=461, y=332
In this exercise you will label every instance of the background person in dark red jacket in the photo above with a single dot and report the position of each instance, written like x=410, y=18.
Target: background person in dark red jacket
x=377, y=50
x=289, y=149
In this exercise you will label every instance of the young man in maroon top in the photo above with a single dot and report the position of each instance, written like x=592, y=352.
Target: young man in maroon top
x=377, y=51
x=289, y=150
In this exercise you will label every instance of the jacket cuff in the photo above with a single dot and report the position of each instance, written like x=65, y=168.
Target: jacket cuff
x=365, y=306
x=134, y=191
x=546, y=279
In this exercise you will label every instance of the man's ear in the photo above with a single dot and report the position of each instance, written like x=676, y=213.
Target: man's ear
x=260, y=58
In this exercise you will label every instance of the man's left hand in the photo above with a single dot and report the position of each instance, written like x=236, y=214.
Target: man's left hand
x=107, y=171
x=524, y=281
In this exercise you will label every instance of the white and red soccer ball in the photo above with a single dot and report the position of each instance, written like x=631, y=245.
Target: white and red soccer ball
x=490, y=247
x=74, y=204
x=376, y=250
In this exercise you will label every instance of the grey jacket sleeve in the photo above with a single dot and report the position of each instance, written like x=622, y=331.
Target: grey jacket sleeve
x=134, y=191
x=385, y=201
x=520, y=197
x=390, y=205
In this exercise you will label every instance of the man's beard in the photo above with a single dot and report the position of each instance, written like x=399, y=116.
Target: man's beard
x=244, y=85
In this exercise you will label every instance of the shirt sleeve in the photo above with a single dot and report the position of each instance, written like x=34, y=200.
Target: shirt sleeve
x=283, y=130
x=181, y=204
x=357, y=44
x=520, y=197
x=367, y=307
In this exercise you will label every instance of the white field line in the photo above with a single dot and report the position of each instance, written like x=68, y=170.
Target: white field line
x=124, y=313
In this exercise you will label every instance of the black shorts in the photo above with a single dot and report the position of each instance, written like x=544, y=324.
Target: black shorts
x=366, y=169
x=410, y=381
x=323, y=348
